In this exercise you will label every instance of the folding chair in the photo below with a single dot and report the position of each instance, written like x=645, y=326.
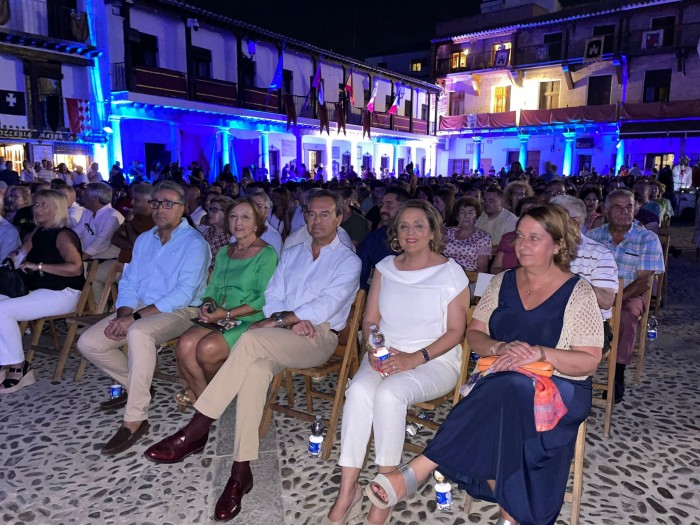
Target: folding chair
x=452, y=397
x=658, y=295
x=642, y=330
x=341, y=362
x=37, y=326
x=609, y=386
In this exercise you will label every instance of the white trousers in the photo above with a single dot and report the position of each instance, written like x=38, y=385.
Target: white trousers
x=35, y=305
x=373, y=402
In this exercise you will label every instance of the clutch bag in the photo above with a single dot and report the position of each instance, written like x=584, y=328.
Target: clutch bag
x=541, y=368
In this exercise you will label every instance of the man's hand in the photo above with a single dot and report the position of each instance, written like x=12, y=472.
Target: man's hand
x=117, y=328
x=304, y=328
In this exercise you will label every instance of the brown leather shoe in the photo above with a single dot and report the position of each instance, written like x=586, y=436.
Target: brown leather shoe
x=124, y=439
x=229, y=503
x=175, y=448
x=120, y=400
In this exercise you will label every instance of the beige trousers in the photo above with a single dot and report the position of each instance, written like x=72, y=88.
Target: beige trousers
x=255, y=359
x=135, y=370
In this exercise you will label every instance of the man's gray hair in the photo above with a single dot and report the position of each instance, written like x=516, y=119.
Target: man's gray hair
x=574, y=206
x=172, y=186
x=319, y=194
x=143, y=189
x=620, y=192
x=101, y=191
x=260, y=192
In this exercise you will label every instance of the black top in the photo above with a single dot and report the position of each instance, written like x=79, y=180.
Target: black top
x=45, y=250
x=24, y=221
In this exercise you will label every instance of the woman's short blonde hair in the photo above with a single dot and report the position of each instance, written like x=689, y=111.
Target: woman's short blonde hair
x=557, y=223
x=62, y=219
x=434, y=220
x=508, y=192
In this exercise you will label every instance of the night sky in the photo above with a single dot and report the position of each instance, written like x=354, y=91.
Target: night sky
x=359, y=28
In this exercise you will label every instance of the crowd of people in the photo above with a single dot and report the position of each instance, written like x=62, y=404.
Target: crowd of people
x=253, y=277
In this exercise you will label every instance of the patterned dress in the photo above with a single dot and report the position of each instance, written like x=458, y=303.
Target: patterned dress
x=467, y=251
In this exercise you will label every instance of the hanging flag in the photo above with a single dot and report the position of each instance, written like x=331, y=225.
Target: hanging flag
x=372, y=99
x=366, y=124
x=349, y=90
x=397, y=100
x=290, y=109
x=323, y=119
x=316, y=82
x=340, y=117
x=277, y=79
x=78, y=115
x=321, y=94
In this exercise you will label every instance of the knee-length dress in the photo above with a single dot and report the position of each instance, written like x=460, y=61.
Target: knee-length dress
x=491, y=435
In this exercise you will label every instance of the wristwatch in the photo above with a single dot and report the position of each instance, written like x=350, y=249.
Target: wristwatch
x=136, y=316
x=279, y=319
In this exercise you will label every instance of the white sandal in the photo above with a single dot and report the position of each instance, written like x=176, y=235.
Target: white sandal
x=382, y=481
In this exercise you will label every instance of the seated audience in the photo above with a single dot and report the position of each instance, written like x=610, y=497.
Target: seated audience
x=75, y=210
x=444, y=202
x=9, y=236
x=262, y=206
x=495, y=443
x=194, y=209
x=98, y=223
x=419, y=300
x=18, y=209
x=236, y=290
x=307, y=302
x=353, y=222
x=159, y=294
x=140, y=221
x=592, y=197
x=50, y=258
x=515, y=191
x=465, y=243
x=216, y=233
x=505, y=258
x=495, y=220
x=639, y=256
x=279, y=217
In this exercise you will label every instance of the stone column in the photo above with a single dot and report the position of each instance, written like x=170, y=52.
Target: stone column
x=569, y=138
x=477, y=152
x=620, y=157
x=522, y=158
x=115, y=144
x=265, y=147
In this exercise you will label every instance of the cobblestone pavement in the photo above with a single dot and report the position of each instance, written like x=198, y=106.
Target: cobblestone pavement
x=51, y=472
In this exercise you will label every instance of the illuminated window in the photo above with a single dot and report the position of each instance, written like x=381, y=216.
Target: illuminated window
x=501, y=99
x=459, y=59
x=416, y=66
x=549, y=94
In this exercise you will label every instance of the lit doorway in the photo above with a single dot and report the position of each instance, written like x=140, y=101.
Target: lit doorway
x=658, y=161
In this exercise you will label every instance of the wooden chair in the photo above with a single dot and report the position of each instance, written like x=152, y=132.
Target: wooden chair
x=37, y=326
x=609, y=386
x=658, y=295
x=341, y=362
x=642, y=331
x=574, y=493
x=452, y=397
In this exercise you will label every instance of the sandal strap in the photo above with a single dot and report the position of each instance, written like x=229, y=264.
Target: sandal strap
x=410, y=478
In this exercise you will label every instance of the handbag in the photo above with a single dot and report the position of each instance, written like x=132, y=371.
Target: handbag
x=12, y=283
x=541, y=368
x=221, y=326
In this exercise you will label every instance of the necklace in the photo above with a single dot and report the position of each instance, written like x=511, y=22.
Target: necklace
x=529, y=289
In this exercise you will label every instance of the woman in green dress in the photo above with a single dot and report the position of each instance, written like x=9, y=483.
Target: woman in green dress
x=236, y=296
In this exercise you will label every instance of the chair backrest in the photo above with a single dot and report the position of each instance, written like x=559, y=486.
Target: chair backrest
x=110, y=288
x=85, y=296
x=615, y=319
x=348, y=335
x=466, y=355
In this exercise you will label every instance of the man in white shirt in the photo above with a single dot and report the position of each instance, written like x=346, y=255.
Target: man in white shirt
x=495, y=220
x=94, y=174
x=79, y=176
x=307, y=302
x=193, y=197
x=98, y=223
x=9, y=236
x=263, y=205
x=46, y=174
x=158, y=296
x=75, y=210
x=594, y=262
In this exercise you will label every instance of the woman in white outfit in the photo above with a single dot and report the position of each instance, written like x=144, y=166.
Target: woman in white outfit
x=419, y=300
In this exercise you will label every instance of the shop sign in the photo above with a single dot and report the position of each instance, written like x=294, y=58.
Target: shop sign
x=33, y=134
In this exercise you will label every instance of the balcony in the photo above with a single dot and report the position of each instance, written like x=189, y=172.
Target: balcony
x=45, y=112
x=48, y=26
x=216, y=92
x=472, y=62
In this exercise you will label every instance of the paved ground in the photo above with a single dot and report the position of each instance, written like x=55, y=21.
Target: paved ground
x=51, y=471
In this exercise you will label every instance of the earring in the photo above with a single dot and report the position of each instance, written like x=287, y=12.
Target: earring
x=555, y=252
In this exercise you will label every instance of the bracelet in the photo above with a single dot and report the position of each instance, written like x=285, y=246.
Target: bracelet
x=543, y=356
x=228, y=316
x=40, y=268
x=425, y=353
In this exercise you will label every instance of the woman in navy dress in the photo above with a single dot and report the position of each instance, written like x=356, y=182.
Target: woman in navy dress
x=489, y=444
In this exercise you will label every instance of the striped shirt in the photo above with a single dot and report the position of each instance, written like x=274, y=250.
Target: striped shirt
x=640, y=250
x=596, y=264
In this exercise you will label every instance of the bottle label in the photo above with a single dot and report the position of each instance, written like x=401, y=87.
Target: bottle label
x=651, y=335
x=315, y=443
x=443, y=498
x=115, y=391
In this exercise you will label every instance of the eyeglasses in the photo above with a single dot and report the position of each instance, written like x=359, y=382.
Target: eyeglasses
x=262, y=207
x=556, y=193
x=166, y=205
x=215, y=210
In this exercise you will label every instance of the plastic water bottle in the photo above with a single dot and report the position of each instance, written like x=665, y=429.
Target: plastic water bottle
x=376, y=341
x=316, y=437
x=414, y=427
x=443, y=492
x=652, y=326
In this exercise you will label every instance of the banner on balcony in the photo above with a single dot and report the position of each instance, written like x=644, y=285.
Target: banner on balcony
x=79, y=26
x=366, y=123
x=79, y=120
x=594, y=49
x=4, y=12
x=340, y=117
x=12, y=103
x=323, y=118
x=291, y=110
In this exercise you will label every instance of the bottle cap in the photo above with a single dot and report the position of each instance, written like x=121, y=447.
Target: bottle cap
x=438, y=476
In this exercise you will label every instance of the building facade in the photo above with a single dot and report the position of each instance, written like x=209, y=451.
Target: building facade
x=596, y=86
x=48, y=104
x=190, y=85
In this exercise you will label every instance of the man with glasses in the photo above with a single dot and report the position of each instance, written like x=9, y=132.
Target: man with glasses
x=159, y=294
x=554, y=188
x=307, y=302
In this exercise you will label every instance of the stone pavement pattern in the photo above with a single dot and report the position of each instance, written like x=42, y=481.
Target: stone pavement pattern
x=51, y=471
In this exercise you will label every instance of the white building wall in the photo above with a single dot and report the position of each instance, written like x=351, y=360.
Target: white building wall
x=115, y=30
x=76, y=81
x=170, y=32
x=223, y=51
x=302, y=68
x=332, y=76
